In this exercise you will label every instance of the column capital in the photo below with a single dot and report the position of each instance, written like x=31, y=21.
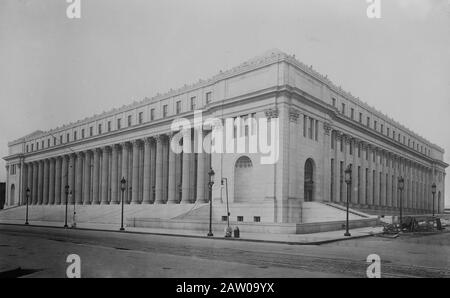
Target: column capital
x=136, y=142
x=148, y=141
x=160, y=138
x=327, y=128
x=293, y=115
x=271, y=113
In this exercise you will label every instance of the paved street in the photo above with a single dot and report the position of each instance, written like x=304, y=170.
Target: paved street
x=113, y=254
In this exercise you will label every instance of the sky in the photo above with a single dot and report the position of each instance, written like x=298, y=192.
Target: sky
x=55, y=70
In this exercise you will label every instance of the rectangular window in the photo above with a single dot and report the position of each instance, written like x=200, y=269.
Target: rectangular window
x=43, y=145
x=341, y=180
x=192, y=103
x=48, y=143
x=74, y=135
x=60, y=139
x=352, y=114
x=367, y=185
x=382, y=128
x=316, y=130
x=119, y=123
x=164, y=111
x=332, y=181
x=240, y=218
x=109, y=126
x=359, y=150
x=375, y=125
x=341, y=143
x=129, y=120
x=373, y=185
x=351, y=148
x=333, y=139
x=311, y=128
x=141, y=117
x=67, y=138
x=393, y=134
x=360, y=117
x=82, y=133
x=343, y=109
x=54, y=141
x=359, y=184
x=99, y=131
x=256, y=219
x=388, y=132
x=305, y=125
x=208, y=97
x=27, y=148
x=32, y=147
x=91, y=131
x=178, y=107
x=334, y=102
x=368, y=122
x=152, y=114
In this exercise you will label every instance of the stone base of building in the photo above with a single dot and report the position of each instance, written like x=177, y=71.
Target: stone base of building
x=261, y=217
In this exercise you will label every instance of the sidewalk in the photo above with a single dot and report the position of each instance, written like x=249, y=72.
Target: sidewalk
x=294, y=239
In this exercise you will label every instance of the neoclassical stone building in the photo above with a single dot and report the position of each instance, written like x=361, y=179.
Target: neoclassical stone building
x=322, y=129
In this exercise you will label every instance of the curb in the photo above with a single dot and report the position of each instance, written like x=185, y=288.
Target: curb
x=203, y=237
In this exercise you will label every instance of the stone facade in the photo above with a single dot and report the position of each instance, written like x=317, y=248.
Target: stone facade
x=322, y=129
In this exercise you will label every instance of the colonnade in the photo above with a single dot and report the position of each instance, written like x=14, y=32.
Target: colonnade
x=154, y=174
x=375, y=174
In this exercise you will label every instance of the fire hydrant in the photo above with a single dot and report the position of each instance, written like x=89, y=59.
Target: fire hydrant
x=236, y=232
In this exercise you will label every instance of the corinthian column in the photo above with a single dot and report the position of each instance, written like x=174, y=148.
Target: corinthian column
x=45, y=163
x=87, y=178
x=71, y=178
x=30, y=180
x=185, y=194
x=201, y=177
x=96, y=177
x=40, y=182
x=64, y=178
x=147, y=170
x=104, y=184
x=58, y=180
x=125, y=170
x=171, y=196
x=34, y=191
x=135, y=173
x=51, y=182
x=79, y=179
x=114, y=175
x=159, y=170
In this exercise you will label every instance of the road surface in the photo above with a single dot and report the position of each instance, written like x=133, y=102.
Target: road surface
x=42, y=252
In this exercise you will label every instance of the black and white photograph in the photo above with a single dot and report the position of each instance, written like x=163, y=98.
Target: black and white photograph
x=224, y=145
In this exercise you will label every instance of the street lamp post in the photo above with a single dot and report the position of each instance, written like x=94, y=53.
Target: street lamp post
x=74, y=224
x=348, y=180
x=225, y=180
x=27, y=192
x=123, y=186
x=433, y=190
x=401, y=186
x=210, y=184
x=67, y=201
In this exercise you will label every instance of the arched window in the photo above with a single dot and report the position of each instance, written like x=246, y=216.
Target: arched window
x=243, y=162
x=243, y=180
